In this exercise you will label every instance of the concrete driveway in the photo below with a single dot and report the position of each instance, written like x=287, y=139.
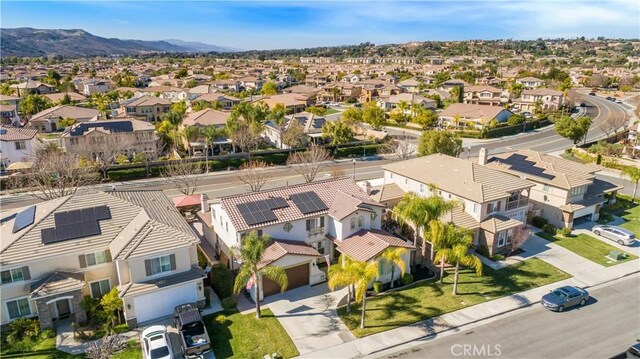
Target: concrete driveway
x=309, y=316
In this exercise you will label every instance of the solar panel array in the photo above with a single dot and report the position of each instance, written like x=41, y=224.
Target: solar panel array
x=74, y=224
x=521, y=164
x=112, y=126
x=24, y=219
x=261, y=211
x=308, y=202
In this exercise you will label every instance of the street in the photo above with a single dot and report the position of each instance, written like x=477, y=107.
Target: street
x=604, y=328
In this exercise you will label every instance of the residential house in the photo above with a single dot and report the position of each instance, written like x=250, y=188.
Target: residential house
x=59, y=96
x=547, y=98
x=483, y=95
x=227, y=85
x=11, y=100
x=468, y=115
x=410, y=85
x=48, y=120
x=225, y=101
x=308, y=225
x=292, y=102
x=204, y=118
x=58, y=251
x=9, y=115
x=565, y=192
x=251, y=82
x=147, y=108
x=311, y=124
x=491, y=203
x=92, y=86
x=308, y=91
x=530, y=82
x=33, y=87
x=16, y=145
x=340, y=92
x=450, y=84
x=391, y=102
x=132, y=136
x=171, y=93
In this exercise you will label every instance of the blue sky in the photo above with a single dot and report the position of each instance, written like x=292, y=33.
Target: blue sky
x=296, y=24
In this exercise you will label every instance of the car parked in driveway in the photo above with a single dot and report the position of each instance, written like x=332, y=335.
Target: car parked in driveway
x=155, y=343
x=617, y=234
x=564, y=297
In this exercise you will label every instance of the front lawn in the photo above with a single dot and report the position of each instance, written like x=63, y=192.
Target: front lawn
x=46, y=349
x=331, y=111
x=243, y=336
x=430, y=299
x=586, y=246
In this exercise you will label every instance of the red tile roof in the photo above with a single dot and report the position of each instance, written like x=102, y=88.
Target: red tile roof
x=280, y=248
x=366, y=244
x=8, y=133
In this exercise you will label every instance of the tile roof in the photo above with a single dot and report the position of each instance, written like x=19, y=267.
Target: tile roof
x=10, y=133
x=472, y=111
x=460, y=218
x=132, y=289
x=148, y=101
x=366, y=244
x=207, y=117
x=280, y=248
x=387, y=192
x=65, y=111
x=460, y=177
x=329, y=191
x=56, y=283
x=496, y=223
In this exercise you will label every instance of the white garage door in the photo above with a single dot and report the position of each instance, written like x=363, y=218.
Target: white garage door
x=160, y=304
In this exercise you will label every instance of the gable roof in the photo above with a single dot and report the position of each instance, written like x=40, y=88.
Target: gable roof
x=65, y=111
x=472, y=111
x=9, y=133
x=280, y=248
x=366, y=244
x=147, y=101
x=207, y=117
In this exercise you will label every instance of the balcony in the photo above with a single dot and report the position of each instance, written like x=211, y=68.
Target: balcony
x=523, y=202
x=314, y=232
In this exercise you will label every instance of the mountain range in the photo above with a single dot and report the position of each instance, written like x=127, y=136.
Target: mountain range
x=26, y=41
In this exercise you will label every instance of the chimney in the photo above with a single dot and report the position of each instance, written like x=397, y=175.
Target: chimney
x=482, y=156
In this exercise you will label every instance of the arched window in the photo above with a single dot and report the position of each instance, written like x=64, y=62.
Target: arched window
x=353, y=223
x=360, y=222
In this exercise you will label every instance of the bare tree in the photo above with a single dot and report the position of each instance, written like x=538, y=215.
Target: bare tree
x=104, y=153
x=518, y=238
x=337, y=172
x=106, y=348
x=293, y=135
x=183, y=175
x=612, y=124
x=254, y=174
x=54, y=174
x=308, y=163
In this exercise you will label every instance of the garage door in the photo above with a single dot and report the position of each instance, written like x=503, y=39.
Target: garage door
x=160, y=304
x=298, y=276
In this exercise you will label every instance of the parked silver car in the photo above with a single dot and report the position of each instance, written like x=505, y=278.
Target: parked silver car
x=618, y=234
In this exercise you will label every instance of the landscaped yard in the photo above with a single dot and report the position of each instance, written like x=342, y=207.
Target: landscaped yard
x=243, y=336
x=46, y=349
x=331, y=111
x=630, y=212
x=586, y=246
x=429, y=299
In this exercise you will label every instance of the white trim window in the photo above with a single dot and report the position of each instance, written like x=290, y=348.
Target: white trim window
x=18, y=308
x=353, y=223
x=159, y=265
x=360, y=221
x=502, y=238
x=100, y=288
x=93, y=259
x=12, y=275
x=546, y=188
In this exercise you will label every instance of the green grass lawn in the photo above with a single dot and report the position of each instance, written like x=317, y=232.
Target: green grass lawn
x=429, y=299
x=331, y=111
x=46, y=349
x=586, y=246
x=243, y=336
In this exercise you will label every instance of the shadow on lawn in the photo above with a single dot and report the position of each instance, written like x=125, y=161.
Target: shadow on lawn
x=220, y=334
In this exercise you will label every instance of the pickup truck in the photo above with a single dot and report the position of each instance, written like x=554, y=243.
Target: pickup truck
x=194, y=339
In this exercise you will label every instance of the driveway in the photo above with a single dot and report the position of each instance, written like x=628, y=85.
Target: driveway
x=308, y=314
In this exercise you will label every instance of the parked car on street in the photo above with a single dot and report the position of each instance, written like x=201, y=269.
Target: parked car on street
x=592, y=93
x=155, y=343
x=527, y=114
x=617, y=234
x=564, y=297
x=194, y=339
x=634, y=351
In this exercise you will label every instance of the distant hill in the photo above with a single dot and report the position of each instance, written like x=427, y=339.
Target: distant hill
x=27, y=41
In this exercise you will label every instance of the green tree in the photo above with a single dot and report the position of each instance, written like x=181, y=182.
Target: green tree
x=342, y=275
x=277, y=117
x=351, y=116
x=633, y=174
x=395, y=258
x=53, y=77
x=182, y=73
x=336, y=91
x=573, y=129
x=252, y=268
x=516, y=89
x=565, y=85
x=444, y=142
x=317, y=110
x=66, y=100
x=373, y=115
x=458, y=252
x=35, y=103
x=6, y=89
x=338, y=132
x=269, y=88
x=67, y=122
x=112, y=305
x=364, y=273
x=425, y=118
x=293, y=136
x=516, y=119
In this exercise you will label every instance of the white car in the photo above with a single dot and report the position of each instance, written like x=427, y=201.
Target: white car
x=155, y=343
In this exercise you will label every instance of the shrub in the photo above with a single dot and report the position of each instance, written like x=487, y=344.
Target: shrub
x=498, y=257
x=565, y=232
x=407, y=279
x=483, y=251
x=221, y=281
x=377, y=286
x=229, y=302
x=48, y=333
x=549, y=229
x=539, y=221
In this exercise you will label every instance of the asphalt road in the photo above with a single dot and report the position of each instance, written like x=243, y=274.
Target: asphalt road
x=604, y=328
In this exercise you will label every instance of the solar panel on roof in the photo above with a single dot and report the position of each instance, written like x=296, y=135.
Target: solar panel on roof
x=88, y=214
x=257, y=212
x=73, y=224
x=308, y=202
x=75, y=216
x=24, y=219
x=61, y=218
x=48, y=235
x=102, y=212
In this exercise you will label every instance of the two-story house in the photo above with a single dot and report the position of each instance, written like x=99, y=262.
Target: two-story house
x=56, y=252
x=48, y=120
x=147, y=108
x=340, y=92
x=311, y=127
x=292, y=102
x=547, y=98
x=16, y=145
x=389, y=103
x=565, y=192
x=491, y=203
x=468, y=115
x=308, y=225
x=33, y=87
x=530, y=82
x=482, y=95
x=9, y=115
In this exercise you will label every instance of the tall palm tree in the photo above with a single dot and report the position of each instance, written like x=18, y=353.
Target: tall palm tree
x=438, y=232
x=342, y=275
x=364, y=273
x=252, y=268
x=633, y=173
x=191, y=134
x=458, y=252
x=395, y=257
x=277, y=117
x=210, y=134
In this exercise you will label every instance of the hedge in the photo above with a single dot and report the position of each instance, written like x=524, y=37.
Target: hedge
x=221, y=281
x=356, y=151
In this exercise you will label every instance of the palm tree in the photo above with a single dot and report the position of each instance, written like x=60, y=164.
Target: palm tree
x=395, y=257
x=250, y=255
x=210, y=134
x=191, y=134
x=633, y=173
x=460, y=241
x=342, y=275
x=276, y=116
x=364, y=273
x=438, y=232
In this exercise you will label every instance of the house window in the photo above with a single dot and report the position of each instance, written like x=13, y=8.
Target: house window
x=160, y=264
x=406, y=181
x=93, y=259
x=320, y=247
x=353, y=223
x=100, y=288
x=502, y=238
x=546, y=188
x=360, y=222
x=213, y=213
x=384, y=267
x=11, y=275
x=18, y=308
x=421, y=187
x=317, y=222
x=20, y=145
x=475, y=208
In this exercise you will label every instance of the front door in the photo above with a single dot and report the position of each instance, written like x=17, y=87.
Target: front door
x=63, y=307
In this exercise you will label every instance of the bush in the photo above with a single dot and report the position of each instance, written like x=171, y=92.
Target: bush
x=498, y=257
x=356, y=151
x=377, y=286
x=407, y=279
x=539, y=221
x=565, y=232
x=48, y=333
x=549, y=229
x=221, y=281
x=229, y=303
x=483, y=251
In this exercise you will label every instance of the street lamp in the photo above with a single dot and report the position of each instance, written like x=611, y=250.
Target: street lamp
x=354, y=169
